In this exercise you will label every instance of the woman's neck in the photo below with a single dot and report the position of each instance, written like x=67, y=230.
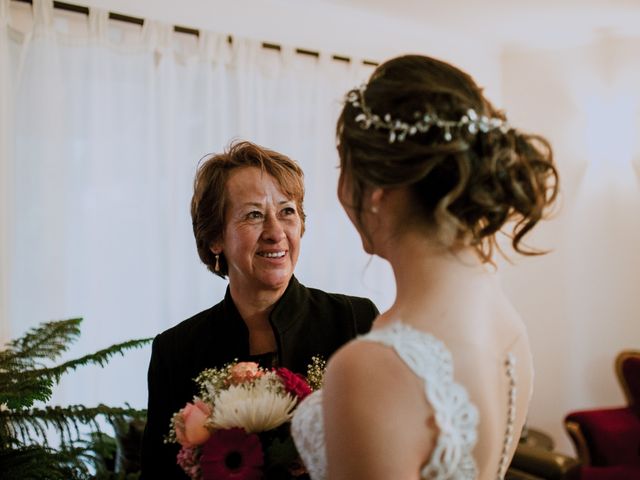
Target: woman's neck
x=255, y=306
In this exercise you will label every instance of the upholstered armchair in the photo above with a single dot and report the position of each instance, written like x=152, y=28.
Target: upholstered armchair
x=607, y=440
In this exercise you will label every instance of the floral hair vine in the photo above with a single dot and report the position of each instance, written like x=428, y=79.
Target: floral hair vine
x=399, y=129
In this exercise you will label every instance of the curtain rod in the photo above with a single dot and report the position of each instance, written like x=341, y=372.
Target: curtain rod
x=70, y=7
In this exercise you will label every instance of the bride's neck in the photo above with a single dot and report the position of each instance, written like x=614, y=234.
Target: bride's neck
x=427, y=275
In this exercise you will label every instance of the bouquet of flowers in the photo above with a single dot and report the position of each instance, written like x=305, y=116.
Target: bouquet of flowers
x=238, y=427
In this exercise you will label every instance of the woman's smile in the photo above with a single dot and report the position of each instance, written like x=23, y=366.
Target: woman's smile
x=273, y=254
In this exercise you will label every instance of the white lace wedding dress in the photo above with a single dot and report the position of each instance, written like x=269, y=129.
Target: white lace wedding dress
x=455, y=415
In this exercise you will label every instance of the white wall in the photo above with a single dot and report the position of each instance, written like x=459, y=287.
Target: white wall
x=581, y=302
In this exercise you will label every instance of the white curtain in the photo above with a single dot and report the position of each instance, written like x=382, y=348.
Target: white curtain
x=102, y=125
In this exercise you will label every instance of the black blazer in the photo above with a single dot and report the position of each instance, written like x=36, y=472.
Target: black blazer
x=306, y=322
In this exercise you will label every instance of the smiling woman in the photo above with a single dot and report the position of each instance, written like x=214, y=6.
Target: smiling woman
x=248, y=219
x=262, y=234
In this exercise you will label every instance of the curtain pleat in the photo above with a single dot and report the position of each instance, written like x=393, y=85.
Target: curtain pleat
x=6, y=172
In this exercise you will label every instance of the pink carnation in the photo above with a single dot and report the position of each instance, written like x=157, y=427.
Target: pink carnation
x=294, y=383
x=189, y=460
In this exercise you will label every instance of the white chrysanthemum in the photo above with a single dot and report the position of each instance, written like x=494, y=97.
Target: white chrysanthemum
x=256, y=407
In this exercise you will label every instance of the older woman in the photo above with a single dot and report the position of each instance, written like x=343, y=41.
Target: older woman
x=248, y=218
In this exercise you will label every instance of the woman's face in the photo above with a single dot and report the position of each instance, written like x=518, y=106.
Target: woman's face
x=261, y=238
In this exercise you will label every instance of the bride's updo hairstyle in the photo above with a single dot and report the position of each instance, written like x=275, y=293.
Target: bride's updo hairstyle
x=423, y=124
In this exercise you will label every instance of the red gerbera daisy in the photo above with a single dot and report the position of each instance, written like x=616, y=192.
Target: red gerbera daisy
x=232, y=454
x=294, y=383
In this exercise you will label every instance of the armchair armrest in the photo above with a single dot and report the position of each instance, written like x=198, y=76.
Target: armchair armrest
x=606, y=436
x=541, y=463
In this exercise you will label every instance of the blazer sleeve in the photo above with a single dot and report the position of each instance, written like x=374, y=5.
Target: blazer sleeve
x=158, y=460
x=365, y=312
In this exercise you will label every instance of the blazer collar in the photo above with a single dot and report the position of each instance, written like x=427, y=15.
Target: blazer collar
x=286, y=311
x=290, y=307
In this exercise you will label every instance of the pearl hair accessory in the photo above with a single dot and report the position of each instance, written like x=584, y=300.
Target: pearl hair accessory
x=399, y=129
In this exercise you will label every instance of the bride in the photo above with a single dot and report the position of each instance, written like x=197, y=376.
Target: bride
x=430, y=173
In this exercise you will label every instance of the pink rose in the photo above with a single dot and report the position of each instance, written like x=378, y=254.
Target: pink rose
x=190, y=431
x=245, y=372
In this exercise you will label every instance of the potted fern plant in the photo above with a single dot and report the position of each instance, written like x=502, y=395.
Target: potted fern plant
x=28, y=373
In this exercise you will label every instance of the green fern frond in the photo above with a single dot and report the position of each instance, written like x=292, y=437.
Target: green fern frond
x=22, y=384
x=46, y=341
x=30, y=425
x=21, y=390
x=37, y=462
x=101, y=357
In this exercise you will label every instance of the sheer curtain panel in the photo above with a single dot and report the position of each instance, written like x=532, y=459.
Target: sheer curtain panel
x=102, y=125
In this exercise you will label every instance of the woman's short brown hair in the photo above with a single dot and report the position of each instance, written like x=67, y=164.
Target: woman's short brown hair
x=208, y=204
x=465, y=188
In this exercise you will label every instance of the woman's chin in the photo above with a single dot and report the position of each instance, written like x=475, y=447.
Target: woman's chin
x=277, y=279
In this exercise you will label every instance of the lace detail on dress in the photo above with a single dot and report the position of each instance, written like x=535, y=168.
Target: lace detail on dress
x=307, y=430
x=455, y=415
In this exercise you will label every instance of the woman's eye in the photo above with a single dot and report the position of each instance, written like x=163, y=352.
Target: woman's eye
x=254, y=215
x=289, y=211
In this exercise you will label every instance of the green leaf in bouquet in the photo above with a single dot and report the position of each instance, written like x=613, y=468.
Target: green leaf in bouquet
x=281, y=451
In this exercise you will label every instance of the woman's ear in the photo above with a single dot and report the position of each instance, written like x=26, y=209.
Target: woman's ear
x=216, y=248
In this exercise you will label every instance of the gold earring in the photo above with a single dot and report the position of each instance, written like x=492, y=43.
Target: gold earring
x=374, y=209
x=216, y=267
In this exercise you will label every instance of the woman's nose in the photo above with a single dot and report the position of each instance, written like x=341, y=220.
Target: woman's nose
x=273, y=230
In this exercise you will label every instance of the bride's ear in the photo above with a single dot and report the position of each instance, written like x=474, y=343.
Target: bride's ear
x=376, y=197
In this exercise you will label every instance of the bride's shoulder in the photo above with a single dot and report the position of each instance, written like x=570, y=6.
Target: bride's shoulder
x=372, y=402
x=358, y=359
x=367, y=369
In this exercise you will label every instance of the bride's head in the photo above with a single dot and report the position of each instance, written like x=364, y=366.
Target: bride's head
x=424, y=128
